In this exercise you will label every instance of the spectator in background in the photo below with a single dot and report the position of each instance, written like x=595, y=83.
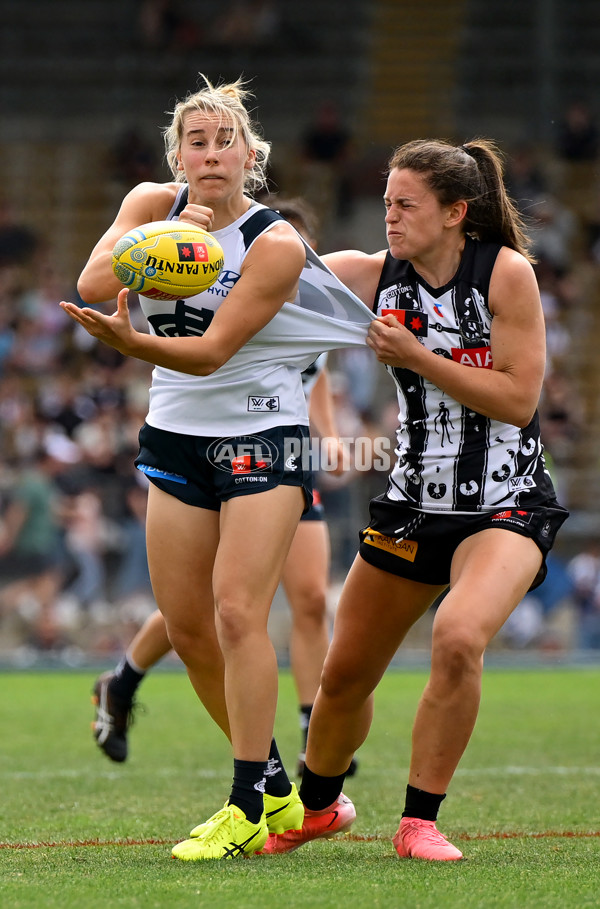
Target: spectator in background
x=325, y=153
x=132, y=579
x=360, y=372
x=578, y=148
x=31, y=563
x=86, y=536
x=64, y=400
x=553, y=230
x=21, y=248
x=164, y=25
x=18, y=243
x=561, y=423
x=39, y=303
x=132, y=159
x=525, y=177
x=584, y=570
x=554, y=305
x=529, y=624
x=578, y=137
x=247, y=24
x=7, y=333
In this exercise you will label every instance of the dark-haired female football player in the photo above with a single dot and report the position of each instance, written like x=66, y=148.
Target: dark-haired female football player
x=469, y=507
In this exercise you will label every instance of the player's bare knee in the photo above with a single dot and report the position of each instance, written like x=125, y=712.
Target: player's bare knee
x=235, y=620
x=341, y=685
x=311, y=609
x=183, y=642
x=456, y=653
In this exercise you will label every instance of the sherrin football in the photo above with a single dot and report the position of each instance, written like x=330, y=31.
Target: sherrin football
x=167, y=260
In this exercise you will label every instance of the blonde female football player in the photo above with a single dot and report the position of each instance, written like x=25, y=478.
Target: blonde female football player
x=305, y=574
x=227, y=376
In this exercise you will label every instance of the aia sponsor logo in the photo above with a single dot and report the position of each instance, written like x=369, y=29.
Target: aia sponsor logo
x=473, y=356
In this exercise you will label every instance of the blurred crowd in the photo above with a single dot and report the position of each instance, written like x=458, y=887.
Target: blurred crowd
x=73, y=571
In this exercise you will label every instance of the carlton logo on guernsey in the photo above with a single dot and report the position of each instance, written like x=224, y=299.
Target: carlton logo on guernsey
x=260, y=387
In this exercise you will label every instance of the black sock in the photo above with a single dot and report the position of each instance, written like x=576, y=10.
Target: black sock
x=421, y=804
x=247, y=791
x=319, y=792
x=305, y=712
x=125, y=681
x=277, y=782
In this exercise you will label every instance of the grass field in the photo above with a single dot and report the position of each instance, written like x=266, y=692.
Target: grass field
x=79, y=831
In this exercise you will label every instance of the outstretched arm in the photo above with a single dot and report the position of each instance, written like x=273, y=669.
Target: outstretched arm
x=269, y=279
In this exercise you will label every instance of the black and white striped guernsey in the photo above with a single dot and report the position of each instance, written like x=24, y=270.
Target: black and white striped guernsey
x=451, y=458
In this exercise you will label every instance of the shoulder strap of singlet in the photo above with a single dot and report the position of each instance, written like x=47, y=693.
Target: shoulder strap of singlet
x=390, y=274
x=256, y=223
x=180, y=204
x=484, y=256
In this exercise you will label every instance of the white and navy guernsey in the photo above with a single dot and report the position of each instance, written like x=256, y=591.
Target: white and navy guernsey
x=260, y=387
x=451, y=458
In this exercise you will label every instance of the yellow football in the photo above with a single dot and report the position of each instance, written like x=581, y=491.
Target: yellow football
x=167, y=260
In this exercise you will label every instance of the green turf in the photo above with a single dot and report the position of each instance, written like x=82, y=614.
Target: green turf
x=523, y=804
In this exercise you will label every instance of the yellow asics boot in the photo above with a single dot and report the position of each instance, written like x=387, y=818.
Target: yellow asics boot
x=283, y=813
x=226, y=835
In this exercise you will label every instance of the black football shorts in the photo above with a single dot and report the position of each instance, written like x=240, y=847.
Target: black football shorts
x=420, y=545
x=205, y=471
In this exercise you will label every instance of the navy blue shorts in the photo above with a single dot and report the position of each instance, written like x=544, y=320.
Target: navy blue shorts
x=316, y=512
x=206, y=471
x=420, y=545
